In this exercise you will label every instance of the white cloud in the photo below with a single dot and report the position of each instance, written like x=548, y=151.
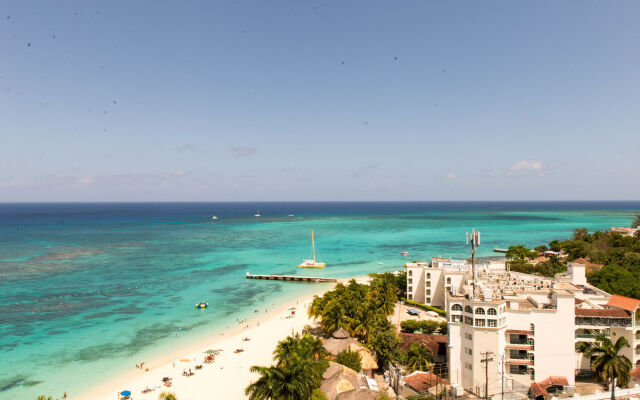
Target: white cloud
x=528, y=166
x=243, y=151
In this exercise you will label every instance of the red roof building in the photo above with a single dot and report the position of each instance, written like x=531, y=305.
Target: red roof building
x=626, y=303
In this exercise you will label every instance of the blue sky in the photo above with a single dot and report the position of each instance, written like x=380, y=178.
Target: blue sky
x=318, y=100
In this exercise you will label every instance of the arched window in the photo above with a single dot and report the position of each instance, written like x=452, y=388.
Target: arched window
x=456, y=307
x=448, y=279
x=492, y=311
x=480, y=311
x=468, y=309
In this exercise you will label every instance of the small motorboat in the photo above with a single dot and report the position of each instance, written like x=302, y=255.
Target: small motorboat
x=202, y=305
x=214, y=218
x=404, y=253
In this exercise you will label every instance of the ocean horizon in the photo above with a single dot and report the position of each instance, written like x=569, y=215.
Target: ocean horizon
x=91, y=289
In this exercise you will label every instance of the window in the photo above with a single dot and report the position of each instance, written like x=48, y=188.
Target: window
x=468, y=336
x=479, y=311
x=492, y=323
x=468, y=351
x=448, y=279
x=468, y=320
x=428, y=283
x=410, y=288
x=456, y=318
x=410, y=296
x=468, y=309
x=410, y=273
x=479, y=322
x=468, y=365
x=428, y=275
x=456, y=307
x=409, y=281
x=492, y=311
x=428, y=299
x=428, y=292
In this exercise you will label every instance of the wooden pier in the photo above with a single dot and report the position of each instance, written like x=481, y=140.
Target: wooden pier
x=292, y=278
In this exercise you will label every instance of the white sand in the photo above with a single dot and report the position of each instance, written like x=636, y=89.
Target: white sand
x=225, y=378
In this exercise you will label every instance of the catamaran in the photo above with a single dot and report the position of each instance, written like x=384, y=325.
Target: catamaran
x=312, y=263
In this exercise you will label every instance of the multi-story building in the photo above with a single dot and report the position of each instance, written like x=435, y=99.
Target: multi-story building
x=428, y=282
x=519, y=332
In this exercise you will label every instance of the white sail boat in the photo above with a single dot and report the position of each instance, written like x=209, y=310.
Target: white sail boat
x=312, y=263
x=257, y=214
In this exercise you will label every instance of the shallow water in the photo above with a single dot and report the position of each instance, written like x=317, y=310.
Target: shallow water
x=89, y=290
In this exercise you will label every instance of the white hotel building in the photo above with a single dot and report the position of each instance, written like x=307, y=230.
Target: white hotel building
x=527, y=325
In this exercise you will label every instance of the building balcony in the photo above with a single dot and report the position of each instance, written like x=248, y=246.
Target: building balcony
x=585, y=335
x=512, y=346
x=519, y=362
x=595, y=321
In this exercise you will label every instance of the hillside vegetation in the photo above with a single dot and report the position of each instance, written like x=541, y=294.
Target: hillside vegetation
x=619, y=256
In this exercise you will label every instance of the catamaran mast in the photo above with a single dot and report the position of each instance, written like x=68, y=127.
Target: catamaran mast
x=313, y=247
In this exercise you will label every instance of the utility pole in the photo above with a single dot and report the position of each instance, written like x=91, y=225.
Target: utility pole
x=502, y=357
x=474, y=238
x=485, y=360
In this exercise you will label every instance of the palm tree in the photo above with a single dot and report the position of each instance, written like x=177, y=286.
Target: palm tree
x=167, y=396
x=419, y=358
x=636, y=221
x=606, y=361
x=293, y=382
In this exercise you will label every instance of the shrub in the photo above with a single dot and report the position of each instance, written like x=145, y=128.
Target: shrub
x=350, y=359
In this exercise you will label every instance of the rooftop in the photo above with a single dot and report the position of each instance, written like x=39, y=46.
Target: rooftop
x=626, y=303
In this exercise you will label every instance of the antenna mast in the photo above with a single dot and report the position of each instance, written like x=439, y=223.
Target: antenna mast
x=474, y=238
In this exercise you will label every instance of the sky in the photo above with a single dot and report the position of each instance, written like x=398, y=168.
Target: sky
x=319, y=100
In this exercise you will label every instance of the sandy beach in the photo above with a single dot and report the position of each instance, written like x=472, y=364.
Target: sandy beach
x=228, y=375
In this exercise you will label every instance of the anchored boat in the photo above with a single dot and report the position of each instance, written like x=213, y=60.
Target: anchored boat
x=312, y=263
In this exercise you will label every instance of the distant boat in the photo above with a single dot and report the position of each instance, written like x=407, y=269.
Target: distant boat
x=404, y=253
x=214, y=218
x=257, y=214
x=291, y=215
x=312, y=263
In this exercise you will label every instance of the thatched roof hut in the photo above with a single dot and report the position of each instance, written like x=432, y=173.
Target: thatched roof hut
x=368, y=360
x=341, y=334
x=338, y=379
x=358, y=394
x=339, y=341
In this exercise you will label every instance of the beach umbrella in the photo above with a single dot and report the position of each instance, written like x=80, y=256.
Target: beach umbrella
x=210, y=351
x=125, y=393
x=292, y=308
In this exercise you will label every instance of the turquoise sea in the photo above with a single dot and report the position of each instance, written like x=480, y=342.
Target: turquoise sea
x=89, y=290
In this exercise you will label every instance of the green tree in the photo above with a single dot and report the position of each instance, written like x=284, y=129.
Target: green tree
x=519, y=254
x=606, y=361
x=293, y=382
x=384, y=342
x=636, y=221
x=419, y=358
x=318, y=395
x=167, y=396
x=351, y=359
